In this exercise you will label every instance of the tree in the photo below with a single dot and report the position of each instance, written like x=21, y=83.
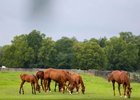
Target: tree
x=47, y=53
x=23, y=54
x=64, y=49
x=34, y=40
x=102, y=42
x=7, y=56
x=89, y=55
x=121, y=54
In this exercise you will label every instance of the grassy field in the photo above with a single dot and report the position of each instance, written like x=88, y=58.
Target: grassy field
x=97, y=88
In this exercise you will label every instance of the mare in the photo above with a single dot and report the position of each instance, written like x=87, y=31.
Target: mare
x=31, y=79
x=78, y=81
x=40, y=75
x=59, y=76
x=121, y=77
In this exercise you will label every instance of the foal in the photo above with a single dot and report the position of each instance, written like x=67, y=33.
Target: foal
x=31, y=79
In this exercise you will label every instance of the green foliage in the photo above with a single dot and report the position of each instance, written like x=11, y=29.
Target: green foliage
x=89, y=55
x=121, y=53
x=34, y=40
x=36, y=50
x=47, y=53
x=64, y=49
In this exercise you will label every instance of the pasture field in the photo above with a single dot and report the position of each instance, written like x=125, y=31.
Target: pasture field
x=97, y=88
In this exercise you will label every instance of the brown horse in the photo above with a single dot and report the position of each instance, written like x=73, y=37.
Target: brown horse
x=59, y=76
x=121, y=77
x=40, y=75
x=31, y=79
x=78, y=80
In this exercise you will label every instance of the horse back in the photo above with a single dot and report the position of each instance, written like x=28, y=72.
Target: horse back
x=27, y=77
x=124, y=77
x=114, y=76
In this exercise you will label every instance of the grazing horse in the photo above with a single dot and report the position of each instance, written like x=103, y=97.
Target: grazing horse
x=59, y=76
x=40, y=75
x=121, y=77
x=31, y=79
x=78, y=80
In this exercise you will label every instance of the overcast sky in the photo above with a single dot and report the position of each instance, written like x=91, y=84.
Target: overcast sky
x=83, y=19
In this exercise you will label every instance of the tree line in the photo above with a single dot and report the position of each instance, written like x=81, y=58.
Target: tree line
x=35, y=50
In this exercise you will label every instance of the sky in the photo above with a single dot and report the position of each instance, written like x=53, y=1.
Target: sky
x=83, y=19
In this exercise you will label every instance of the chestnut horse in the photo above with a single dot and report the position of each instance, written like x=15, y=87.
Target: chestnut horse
x=78, y=80
x=121, y=77
x=40, y=75
x=31, y=79
x=59, y=76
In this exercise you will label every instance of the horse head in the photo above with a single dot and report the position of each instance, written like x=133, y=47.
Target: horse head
x=83, y=90
x=129, y=92
x=38, y=88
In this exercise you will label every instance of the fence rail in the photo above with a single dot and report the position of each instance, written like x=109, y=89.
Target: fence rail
x=135, y=77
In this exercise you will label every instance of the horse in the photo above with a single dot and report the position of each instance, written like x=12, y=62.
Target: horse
x=78, y=81
x=59, y=76
x=121, y=77
x=31, y=79
x=40, y=75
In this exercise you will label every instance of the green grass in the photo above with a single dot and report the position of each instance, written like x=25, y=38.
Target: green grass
x=97, y=88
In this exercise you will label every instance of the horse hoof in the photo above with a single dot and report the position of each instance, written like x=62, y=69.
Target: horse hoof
x=125, y=96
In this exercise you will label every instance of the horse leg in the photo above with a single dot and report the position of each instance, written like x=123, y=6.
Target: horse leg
x=48, y=87
x=55, y=86
x=21, y=87
x=59, y=87
x=119, y=89
x=45, y=82
x=34, y=88
x=42, y=84
x=62, y=87
x=77, y=88
x=113, y=83
x=124, y=87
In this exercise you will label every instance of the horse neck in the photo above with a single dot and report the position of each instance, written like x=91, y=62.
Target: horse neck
x=69, y=78
x=36, y=80
x=128, y=83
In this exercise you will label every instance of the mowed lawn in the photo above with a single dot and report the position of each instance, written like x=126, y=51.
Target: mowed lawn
x=97, y=88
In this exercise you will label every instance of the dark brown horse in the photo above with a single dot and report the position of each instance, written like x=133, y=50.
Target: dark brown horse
x=121, y=77
x=59, y=76
x=40, y=75
x=78, y=81
x=31, y=79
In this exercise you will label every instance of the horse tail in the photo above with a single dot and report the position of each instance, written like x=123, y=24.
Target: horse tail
x=82, y=85
x=109, y=77
x=21, y=76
